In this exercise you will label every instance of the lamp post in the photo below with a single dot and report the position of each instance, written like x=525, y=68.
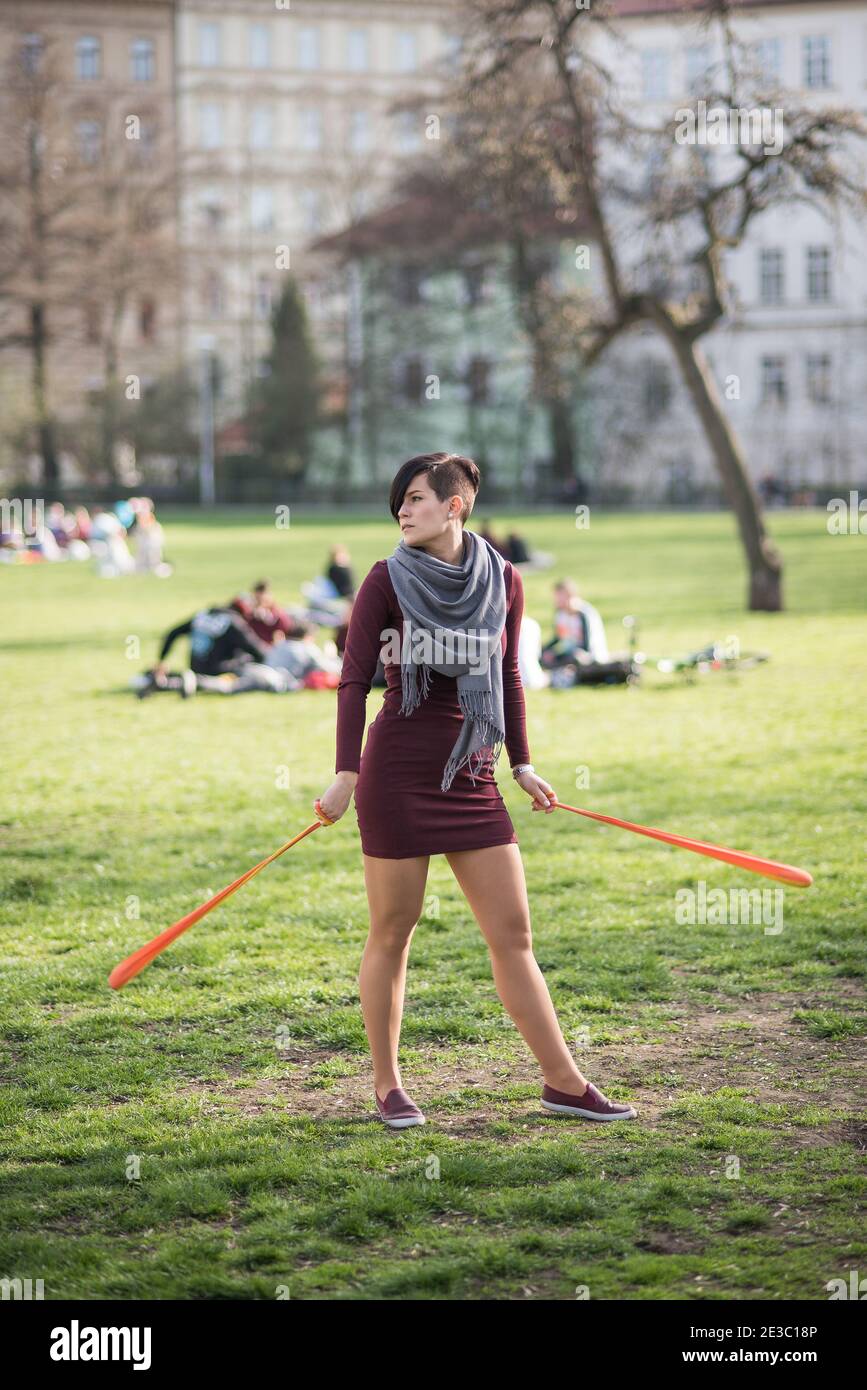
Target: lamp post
x=207, y=490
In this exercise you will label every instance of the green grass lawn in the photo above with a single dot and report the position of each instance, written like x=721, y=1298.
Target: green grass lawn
x=233, y=1077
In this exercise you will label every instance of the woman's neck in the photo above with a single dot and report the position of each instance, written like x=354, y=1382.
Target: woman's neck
x=451, y=551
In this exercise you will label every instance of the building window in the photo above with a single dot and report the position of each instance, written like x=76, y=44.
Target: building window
x=408, y=131
x=476, y=284
x=818, y=274
x=145, y=147
x=406, y=47
x=654, y=173
x=260, y=46
x=211, y=125
x=771, y=276
x=213, y=212
x=88, y=59
x=659, y=273
x=142, y=60
x=698, y=61
x=147, y=318
x=768, y=58
x=261, y=127
x=88, y=136
x=817, y=61
x=264, y=297
x=479, y=381
x=308, y=48
x=359, y=131
x=262, y=209
x=311, y=210
x=410, y=284
x=357, y=50
x=657, y=390
x=361, y=202
x=774, y=380
x=209, y=44
x=32, y=49
x=310, y=127
x=819, y=377
x=654, y=74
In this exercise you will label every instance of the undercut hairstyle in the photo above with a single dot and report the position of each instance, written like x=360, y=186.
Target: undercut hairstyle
x=447, y=474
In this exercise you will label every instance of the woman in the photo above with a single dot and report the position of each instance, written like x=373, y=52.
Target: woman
x=447, y=602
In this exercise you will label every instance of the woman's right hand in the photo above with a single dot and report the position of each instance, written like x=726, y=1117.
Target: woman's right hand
x=336, y=799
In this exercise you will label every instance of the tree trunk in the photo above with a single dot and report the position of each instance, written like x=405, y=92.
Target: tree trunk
x=763, y=558
x=562, y=439
x=109, y=401
x=44, y=422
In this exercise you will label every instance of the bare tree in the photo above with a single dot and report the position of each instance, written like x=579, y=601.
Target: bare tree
x=131, y=245
x=87, y=206
x=41, y=193
x=543, y=63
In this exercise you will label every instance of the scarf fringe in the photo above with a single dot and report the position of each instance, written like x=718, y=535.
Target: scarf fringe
x=412, y=696
x=476, y=707
x=476, y=763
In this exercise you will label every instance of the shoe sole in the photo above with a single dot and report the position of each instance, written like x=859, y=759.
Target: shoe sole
x=403, y=1124
x=629, y=1114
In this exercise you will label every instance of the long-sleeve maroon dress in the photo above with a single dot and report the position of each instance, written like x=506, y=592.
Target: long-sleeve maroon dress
x=401, y=808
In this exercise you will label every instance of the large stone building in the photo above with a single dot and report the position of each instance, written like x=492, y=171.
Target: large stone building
x=287, y=130
x=281, y=122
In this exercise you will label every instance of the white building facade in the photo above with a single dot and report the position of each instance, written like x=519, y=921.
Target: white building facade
x=790, y=358
x=285, y=133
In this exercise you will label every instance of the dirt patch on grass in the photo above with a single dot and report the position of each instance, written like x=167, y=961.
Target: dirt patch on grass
x=754, y=1043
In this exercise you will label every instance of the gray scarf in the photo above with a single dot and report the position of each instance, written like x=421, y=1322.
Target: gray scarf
x=444, y=599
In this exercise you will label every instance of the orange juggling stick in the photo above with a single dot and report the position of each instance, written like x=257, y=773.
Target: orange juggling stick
x=123, y=973
x=786, y=873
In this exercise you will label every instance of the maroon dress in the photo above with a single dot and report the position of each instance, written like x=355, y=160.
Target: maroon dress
x=401, y=808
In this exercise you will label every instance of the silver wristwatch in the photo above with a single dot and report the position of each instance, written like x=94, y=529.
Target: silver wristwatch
x=522, y=767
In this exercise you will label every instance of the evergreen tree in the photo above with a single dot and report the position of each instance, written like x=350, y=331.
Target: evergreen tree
x=284, y=407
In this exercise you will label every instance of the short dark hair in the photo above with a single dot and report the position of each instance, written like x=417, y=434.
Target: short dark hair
x=260, y=585
x=447, y=474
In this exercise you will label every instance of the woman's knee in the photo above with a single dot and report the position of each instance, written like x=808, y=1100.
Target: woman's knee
x=392, y=932
x=510, y=936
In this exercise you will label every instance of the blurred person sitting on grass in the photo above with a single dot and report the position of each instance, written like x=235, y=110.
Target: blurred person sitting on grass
x=226, y=658
x=148, y=537
x=108, y=545
x=515, y=549
x=268, y=620
x=579, y=633
x=339, y=572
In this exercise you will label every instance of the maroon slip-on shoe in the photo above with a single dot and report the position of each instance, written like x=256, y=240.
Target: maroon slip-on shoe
x=397, y=1110
x=591, y=1106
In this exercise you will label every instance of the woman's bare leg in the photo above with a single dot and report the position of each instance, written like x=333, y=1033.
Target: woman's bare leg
x=493, y=883
x=395, y=894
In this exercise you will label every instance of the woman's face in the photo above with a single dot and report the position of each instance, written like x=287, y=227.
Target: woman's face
x=422, y=516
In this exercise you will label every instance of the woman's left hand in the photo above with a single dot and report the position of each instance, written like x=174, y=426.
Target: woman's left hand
x=542, y=792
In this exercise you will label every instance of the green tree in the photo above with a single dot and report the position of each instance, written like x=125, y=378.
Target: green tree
x=284, y=405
